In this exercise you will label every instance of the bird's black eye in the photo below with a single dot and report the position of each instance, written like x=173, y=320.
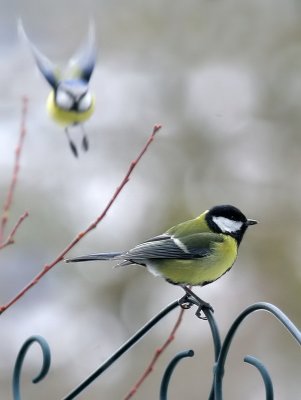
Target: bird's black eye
x=64, y=100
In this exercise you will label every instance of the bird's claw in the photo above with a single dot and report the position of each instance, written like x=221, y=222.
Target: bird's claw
x=73, y=148
x=200, y=310
x=85, y=143
x=185, y=302
x=71, y=144
x=191, y=298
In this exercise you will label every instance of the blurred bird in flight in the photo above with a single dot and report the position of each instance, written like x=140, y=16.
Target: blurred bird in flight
x=70, y=101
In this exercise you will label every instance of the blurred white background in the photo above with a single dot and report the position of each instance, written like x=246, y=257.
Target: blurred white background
x=223, y=77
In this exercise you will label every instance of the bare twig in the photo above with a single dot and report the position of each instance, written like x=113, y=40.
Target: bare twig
x=11, y=237
x=92, y=226
x=157, y=354
x=18, y=151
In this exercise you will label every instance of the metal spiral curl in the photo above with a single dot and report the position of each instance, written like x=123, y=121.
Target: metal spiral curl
x=219, y=368
x=220, y=352
x=20, y=359
x=269, y=392
x=169, y=371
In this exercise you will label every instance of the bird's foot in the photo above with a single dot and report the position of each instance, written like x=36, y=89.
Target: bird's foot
x=185, y=302
x=191, y=298
x=71, y=144
x=200, y=311
x=73, y=148
x=85, y=143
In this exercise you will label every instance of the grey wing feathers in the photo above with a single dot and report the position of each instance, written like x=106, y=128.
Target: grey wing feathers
x=158, y=249
x=162, y=247
x=83, y=62
x=47, y=68
x=164, y=236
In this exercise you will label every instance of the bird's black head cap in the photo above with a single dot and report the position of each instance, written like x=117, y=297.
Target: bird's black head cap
x=228, y=220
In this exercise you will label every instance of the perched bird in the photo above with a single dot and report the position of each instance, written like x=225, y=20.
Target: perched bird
x=192, y=253
x=70, y=101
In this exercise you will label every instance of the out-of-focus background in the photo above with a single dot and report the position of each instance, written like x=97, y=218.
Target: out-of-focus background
x=224, y=79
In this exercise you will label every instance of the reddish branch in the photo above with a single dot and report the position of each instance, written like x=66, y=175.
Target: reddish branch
x=11, y=237
x=157, y=354
x=11, y=190
x=92, y=226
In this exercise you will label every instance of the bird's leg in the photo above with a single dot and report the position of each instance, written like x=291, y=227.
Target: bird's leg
x=71, y=144
x=185, y=302
x=191, y=298
x=85, y=142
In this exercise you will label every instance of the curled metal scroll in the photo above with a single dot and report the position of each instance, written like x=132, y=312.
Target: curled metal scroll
x=269, y=392
x=114, y=357
x=221, y=349
x=169, y=370
x=220, y=352
x=20, y=359
x=219, y=368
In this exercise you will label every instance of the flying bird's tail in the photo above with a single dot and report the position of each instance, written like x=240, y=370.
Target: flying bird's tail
x=94, y=257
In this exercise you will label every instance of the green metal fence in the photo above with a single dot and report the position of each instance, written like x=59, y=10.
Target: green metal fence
x=221, y=349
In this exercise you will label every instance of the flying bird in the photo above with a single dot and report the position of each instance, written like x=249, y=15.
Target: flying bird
x=70, y=101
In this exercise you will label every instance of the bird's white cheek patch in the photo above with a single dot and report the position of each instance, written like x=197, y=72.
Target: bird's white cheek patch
x=85, y=102
x=227, y=225
x=64, y=100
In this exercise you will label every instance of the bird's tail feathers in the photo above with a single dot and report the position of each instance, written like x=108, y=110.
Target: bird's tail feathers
x=94, y=257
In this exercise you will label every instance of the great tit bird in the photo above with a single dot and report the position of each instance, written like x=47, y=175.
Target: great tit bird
x=70, y=101
x=193, y=253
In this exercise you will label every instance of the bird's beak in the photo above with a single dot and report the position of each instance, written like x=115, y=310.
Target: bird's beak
x=252, y=222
